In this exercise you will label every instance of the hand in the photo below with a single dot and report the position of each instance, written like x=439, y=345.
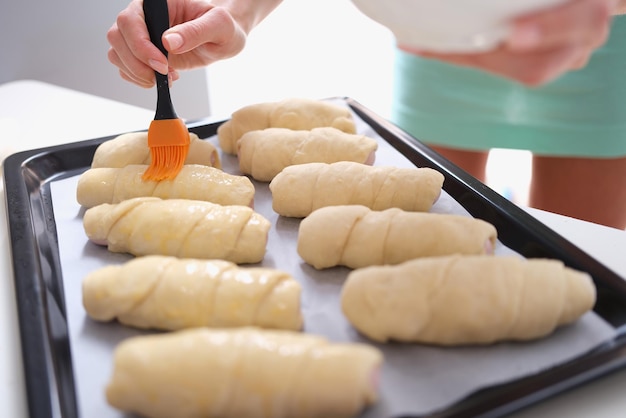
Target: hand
x=544, y=45
x=201, y=32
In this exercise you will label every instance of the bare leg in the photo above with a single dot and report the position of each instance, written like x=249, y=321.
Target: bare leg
x=474, y=162
x=593, y=190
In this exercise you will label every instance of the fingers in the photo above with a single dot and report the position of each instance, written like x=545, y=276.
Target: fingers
x=580, y=22
x=532, y=69
x=200, y=35
x=131, y=49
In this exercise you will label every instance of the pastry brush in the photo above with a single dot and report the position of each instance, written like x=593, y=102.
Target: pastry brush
x=168, y=137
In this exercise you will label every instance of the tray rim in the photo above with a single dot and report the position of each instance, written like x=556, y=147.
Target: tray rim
x=46, y=349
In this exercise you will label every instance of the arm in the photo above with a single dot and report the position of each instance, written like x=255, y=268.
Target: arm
x=200, y=33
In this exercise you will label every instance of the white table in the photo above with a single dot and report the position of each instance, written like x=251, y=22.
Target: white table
x=35, y=114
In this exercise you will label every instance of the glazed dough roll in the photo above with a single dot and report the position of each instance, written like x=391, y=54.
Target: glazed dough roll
x=263, y=154
x=132, y=148
x=179, y=227
x=355, y=236
x=242, y=372
x=197, y=182
x=292, y=113
x=171, y=293
x=466, y=299
x=300, y=189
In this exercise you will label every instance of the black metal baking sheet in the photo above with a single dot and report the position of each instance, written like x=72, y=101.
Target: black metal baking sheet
x=47, y=356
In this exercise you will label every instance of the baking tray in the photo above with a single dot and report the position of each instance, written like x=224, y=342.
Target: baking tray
x=46, y=348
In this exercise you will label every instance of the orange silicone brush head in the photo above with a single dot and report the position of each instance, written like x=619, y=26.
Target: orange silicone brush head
x=168, y=140
x=168, y=137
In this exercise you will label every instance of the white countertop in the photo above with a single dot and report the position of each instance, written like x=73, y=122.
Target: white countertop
x=35, y=115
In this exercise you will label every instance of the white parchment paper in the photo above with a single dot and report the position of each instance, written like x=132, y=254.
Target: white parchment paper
x=415, y=379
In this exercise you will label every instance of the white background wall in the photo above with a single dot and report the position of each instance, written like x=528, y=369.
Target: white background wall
x=308, y=48
x=63, y=42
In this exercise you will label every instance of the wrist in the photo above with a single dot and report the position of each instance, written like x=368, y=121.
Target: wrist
x=247, y=13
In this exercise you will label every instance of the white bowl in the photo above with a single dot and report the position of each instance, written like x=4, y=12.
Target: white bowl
x=449, y=25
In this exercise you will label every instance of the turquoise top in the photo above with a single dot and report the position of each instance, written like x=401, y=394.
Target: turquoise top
x=583, y=113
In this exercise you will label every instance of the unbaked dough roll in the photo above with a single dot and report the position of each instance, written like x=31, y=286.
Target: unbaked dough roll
x=263, y=154
x=243, y=372
x=198, y=182
x=300, y=189
x=171, y=293
x=132, y=148
x=292, y=113
x=355, y=236
x=179, y=227
x=466, y=299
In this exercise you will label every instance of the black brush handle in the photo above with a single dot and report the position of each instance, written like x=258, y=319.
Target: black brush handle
x=158, y=21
